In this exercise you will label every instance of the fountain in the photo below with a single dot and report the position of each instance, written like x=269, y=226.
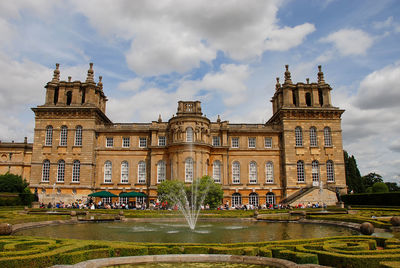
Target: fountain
x=189, y=202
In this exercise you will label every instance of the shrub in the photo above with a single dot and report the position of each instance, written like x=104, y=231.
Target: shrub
x=380, y=187
x=373, y=199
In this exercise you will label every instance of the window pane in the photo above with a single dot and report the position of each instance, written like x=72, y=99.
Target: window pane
x=300, y=171
x=78, y=136
x=269, y=172
x=330, y=171
x=253, y=172
x=217, y=171
x=236, y=200
x=162, y=141
x=299, y=136
x=313, y=137
x=189, y=134
x=142, y=142
x=235, y=142
x=315, y=171
x=216, y=141
x=76, y=169
x=252, y=142
x=61, y=171
x=63, y=136
x=268, y=142
x=49, y=136
x=126, y=142
x=124, y=172
x=107, y=172
x=189, y=170
x=235, y=172
x=109, y=142
x=142, y=172
x=327, y=136
x=161, y=171
x=46, y=171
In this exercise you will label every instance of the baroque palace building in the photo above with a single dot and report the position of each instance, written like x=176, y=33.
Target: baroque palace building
x=296, y=157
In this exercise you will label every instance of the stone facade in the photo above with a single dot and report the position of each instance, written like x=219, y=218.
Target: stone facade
x=254, y=163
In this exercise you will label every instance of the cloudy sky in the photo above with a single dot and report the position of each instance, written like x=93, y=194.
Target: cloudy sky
x=224, y=53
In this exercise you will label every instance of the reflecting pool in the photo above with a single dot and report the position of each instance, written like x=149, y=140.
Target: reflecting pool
x=177, y=232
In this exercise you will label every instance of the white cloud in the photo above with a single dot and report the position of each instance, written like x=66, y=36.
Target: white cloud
x=131, y=85
x=176, y=36
x=350, y=41
x=380, y=89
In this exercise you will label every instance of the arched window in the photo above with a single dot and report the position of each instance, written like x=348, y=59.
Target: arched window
x=236, y=199
x=124, y=172
x=270, y=198
x=189, y=134
x=330, y=172
x=308, y=99
x=313, y=137
x=235, y=172
x=142, y=172
x=315, y=171
x=300, y=171
x=63, y=136
x=253, y=172
x=327, y=137
x=253, y=199
x=269, y=172
x=217, y=171
x=60, y=171
x=69, y=97
x=46, y=171
x=299, y=136
x=161, y=171
x=49, y=136
x=76, y=171
x=107, y=172
x=78, y=136
x=189, y=170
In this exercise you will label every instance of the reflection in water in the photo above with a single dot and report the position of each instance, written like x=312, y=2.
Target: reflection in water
x=205, y=232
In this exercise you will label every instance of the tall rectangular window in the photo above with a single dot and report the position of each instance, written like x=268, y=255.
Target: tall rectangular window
x=217, y=171
x=300, y=171
x=61, y=171
x=161, y=170
x=327, y=137
x=124, y=172
x=268, y=142
x=78, y=136
x=330, y=174
x=63, y=136
x=46, y=171
x=142, y=172
x=216, y=141
x=126, y=142
x=142, y=142
x=49, y=136
x=298, y=136
x=252, y=142
x=76, y=171
x=235, y=142
x=235, y=172
x=162, y=141
x=253, y=172
x=107, y=172
x=315, y=171
x=109, y=142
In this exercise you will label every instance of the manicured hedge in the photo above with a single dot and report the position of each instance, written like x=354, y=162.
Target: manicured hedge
x=375, y=199
x=348, y=251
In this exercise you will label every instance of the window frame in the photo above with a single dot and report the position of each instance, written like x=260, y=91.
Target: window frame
x=327, y=137
x=315, y=172
x=61, y=170
x=236, y=199
x=254, y=199
x=142, y=142
x=107, y=171
x=301, y=178
x=124, y=172
x=49, y=136
x=268, y=144
x=236, y=173
x=142, y=172
x=252, y=140
x=46, y=171
x=189, y=169
x=126, y=142
x=76, y=171
x=161, y=171
x=217, y=171
x=298, y=133
x=253, y=173
x=109, y=142
x=162, y=141
x=330, y=171
x=270, y=196
x=189, y=134
x=269, y=172
x=78, y=136
x=63, y=136
x=236, y=143
x=216, y=141
x=313, y=137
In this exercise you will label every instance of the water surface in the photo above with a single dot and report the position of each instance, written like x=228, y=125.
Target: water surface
x=177, y=232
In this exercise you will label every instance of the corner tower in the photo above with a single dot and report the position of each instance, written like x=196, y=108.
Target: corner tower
x=63, y=155
x=311, y=140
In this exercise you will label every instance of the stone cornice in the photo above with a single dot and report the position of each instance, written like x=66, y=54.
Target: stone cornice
x=305, y=113
x=60, y=111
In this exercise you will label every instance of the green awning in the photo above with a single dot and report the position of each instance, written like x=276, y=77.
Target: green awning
x=102, y=194
x=131, y=194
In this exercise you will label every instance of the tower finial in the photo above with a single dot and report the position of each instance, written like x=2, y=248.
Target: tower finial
x=56, y=75
x=288, y=79
x=159, y=118
x=69, y=78
x=278, y=85
x=219, y=119
x=90, y=75
x=320, y=76
x=100, y=83
x=308, y=80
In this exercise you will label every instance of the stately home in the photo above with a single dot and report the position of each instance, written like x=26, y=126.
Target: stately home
x=296, y=157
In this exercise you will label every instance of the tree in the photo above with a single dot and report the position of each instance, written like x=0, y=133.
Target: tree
x=174, y=191
x=380, y=187
x=12, y=183
x=392, y=186
x=371, y=179
x=353, y=177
